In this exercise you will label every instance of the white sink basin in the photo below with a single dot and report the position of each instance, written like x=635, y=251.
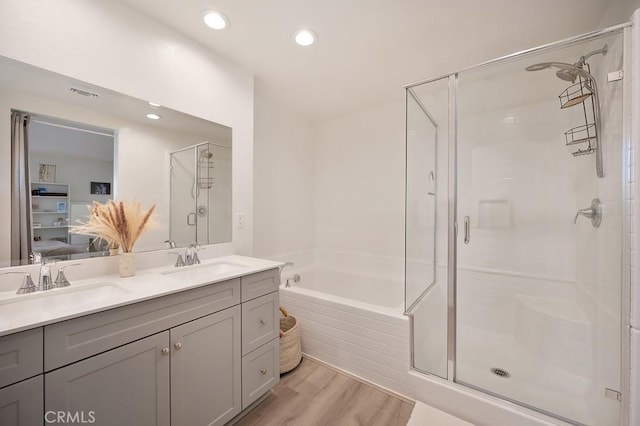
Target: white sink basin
x=203, y=272
x=53, y=300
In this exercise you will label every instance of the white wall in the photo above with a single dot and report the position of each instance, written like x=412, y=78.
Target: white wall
x=618, y=11
x=283, y=182
x=78, y=172
x=114, y=46
x=359, y=189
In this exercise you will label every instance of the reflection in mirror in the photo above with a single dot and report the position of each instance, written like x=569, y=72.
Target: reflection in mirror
x=63, y=158
x=200, y=194
x=70, y=166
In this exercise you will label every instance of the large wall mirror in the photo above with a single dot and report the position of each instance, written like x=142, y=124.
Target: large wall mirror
x=74, y=143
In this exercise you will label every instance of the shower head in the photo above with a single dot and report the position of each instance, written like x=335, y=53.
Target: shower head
x=569, y=72
x=566, y=72
x=206, y=154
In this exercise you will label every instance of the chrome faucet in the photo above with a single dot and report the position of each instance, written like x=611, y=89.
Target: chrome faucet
x=295, y=278
x=191, y=255
x=61, y=279
x=27, y=285
x=44, y=281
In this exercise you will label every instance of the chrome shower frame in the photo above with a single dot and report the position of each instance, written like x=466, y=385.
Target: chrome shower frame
x=452, y=143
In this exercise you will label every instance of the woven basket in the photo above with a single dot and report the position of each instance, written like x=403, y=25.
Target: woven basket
x=290, y=349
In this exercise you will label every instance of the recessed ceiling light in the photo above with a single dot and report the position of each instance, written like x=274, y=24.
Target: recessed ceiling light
x=153, y=104
x=215, y=20
x=305, y=37
x=153, y=116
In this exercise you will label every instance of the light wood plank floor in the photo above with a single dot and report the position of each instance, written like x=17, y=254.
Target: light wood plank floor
x=314, y=395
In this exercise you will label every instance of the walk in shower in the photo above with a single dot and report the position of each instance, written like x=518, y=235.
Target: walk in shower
x=200, y=205
x=517, y=181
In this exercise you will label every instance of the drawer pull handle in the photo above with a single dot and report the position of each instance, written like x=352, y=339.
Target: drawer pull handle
x=263, y=371
x=164, y=351
x=263, y=322
x=177, y=345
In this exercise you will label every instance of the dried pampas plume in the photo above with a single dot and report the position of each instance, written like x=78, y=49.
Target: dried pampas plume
x=118, y=223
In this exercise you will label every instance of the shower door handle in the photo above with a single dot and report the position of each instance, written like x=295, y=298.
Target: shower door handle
x=189, y=217
x=467, y=230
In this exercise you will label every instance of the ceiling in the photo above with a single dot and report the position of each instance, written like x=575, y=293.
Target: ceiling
x=368, y=49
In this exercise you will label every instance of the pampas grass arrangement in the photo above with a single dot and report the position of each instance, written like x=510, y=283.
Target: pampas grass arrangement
x=118, y=223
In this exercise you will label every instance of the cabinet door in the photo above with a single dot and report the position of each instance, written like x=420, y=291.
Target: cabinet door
x=124, y=386
x=205, y=370
x=21, y=404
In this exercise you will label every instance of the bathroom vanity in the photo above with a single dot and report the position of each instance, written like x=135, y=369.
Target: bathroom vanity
x=173, y=346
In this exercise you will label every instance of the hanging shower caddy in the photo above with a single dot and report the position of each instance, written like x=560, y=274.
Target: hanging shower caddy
x=205, y=169
x=580, y=93
x=587, y=133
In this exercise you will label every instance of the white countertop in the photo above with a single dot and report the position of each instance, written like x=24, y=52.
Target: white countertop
x=83, y=297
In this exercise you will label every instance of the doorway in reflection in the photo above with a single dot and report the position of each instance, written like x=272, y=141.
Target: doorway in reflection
x=70, y=165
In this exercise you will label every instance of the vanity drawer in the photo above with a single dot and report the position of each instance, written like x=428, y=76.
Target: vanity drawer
x=260, y=371
x=69, y=341
x=259, y=284
x=20, y=356
x=260, y=321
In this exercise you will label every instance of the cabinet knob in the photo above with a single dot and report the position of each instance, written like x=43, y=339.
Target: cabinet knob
x=263, y=371
x=263, y=322
x=164, y=351
x=177, y=345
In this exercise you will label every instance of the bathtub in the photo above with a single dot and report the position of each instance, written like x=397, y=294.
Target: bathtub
x=352, y=322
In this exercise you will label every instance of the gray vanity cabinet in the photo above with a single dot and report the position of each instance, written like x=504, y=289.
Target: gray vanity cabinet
x=21, y=399
x=128, y=385
x=195, y=357
x=21, y=403
x=205, y=370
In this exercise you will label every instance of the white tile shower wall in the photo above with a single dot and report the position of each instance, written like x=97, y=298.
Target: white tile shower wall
x=599, y=272
x=283, y=182
x=141, y=58
x=634, y=222
x=526, y=166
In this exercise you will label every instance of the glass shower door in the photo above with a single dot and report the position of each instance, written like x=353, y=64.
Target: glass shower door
x=183, y=184
x=426, y=225
x=538, y=285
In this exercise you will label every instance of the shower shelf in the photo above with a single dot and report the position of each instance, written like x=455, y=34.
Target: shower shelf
x=585, y=151
x=575, y=94
x=580, y=134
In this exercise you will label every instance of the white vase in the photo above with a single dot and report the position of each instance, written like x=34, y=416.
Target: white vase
x=127, y=265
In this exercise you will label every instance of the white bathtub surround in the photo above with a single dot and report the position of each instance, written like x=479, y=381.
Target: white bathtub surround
x=390, y=268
